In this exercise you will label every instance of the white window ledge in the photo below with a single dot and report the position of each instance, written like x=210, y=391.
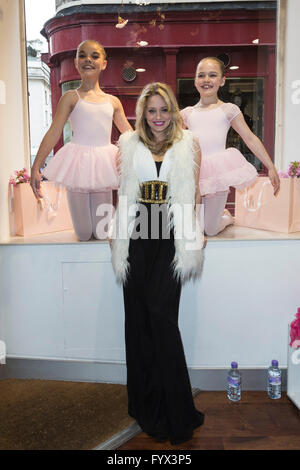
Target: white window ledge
x=231, y=233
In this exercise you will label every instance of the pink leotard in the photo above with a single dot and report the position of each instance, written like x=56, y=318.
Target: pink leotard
x=88, y=162
x=220, y=167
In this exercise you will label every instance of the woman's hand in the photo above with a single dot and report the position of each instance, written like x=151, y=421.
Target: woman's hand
x=275, y=180
x=35, y=183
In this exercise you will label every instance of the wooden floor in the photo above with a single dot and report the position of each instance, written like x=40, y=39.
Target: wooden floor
x=254, y=423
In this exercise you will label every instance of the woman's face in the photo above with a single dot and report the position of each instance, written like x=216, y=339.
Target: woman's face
x=90, y=59
x=208, y=78
x=157, y=115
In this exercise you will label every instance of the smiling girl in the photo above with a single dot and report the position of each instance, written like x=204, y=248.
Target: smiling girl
x=210, y=120
x=86, y=166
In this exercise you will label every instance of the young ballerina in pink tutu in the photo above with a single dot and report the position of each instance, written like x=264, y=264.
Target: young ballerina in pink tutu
x=210, y=120
x=86, y=166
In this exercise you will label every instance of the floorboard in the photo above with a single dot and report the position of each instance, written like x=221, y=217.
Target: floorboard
x=254, y=423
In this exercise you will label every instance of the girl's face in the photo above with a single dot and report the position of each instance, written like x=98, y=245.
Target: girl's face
x=157, y=115
x=90, y=60
x=208, y=78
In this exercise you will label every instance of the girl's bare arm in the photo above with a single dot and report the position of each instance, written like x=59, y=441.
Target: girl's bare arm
x=119, y=118
x=64, y=108
x=256, y=146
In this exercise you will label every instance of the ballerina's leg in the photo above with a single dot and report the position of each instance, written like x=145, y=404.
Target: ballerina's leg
x=216, y=217
x=79, y=205
x=101, y=213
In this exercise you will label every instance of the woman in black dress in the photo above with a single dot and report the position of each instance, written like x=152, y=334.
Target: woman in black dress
x=159, y=169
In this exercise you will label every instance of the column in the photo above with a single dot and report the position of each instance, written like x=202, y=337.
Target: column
x=269, y=102
x=171, y=68
x=14, y=141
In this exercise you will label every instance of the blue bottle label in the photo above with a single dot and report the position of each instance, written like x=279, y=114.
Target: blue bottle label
x=275, y=380
x=234, y=382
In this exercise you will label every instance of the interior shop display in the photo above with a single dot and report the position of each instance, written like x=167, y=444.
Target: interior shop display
x=32, y=217
x=256, y=206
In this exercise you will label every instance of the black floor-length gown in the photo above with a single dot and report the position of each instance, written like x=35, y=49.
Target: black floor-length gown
x=159, y=390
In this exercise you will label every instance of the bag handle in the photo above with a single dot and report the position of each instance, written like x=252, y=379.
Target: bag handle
x=259, y=203
x=51, y=208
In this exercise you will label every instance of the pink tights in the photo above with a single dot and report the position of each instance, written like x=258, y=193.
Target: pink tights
x=216, y=217
x=87, y=221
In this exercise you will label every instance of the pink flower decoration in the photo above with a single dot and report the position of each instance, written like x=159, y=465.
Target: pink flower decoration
x=295, y=329
x=283, y=174
x=21, y=177
x=293, y=169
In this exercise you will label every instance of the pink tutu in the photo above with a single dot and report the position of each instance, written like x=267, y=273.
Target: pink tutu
x=227, y=168
x=220, y=167
x=84, y=168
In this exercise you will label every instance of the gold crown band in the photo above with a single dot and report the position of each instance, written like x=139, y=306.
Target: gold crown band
x=154, y=192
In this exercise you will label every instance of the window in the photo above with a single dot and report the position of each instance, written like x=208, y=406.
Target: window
x=71, y=85
x=164, y=41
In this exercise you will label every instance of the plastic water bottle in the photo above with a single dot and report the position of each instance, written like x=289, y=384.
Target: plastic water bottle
x=274, y=380
x=234, y=391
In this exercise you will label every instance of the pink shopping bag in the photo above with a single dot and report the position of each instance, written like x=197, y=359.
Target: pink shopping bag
x=257, y=207
x=31, y=217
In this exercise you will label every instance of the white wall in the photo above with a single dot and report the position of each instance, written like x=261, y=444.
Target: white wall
x=239, y=310
x=14, y=142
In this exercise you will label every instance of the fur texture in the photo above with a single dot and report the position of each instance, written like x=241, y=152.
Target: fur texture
x=188, y=260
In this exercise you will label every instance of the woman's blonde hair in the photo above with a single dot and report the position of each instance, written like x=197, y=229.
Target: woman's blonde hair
x=174, y=129
x=94, y=42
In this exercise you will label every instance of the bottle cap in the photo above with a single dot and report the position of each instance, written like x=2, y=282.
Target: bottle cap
x=274, y=362
x=234, y=365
